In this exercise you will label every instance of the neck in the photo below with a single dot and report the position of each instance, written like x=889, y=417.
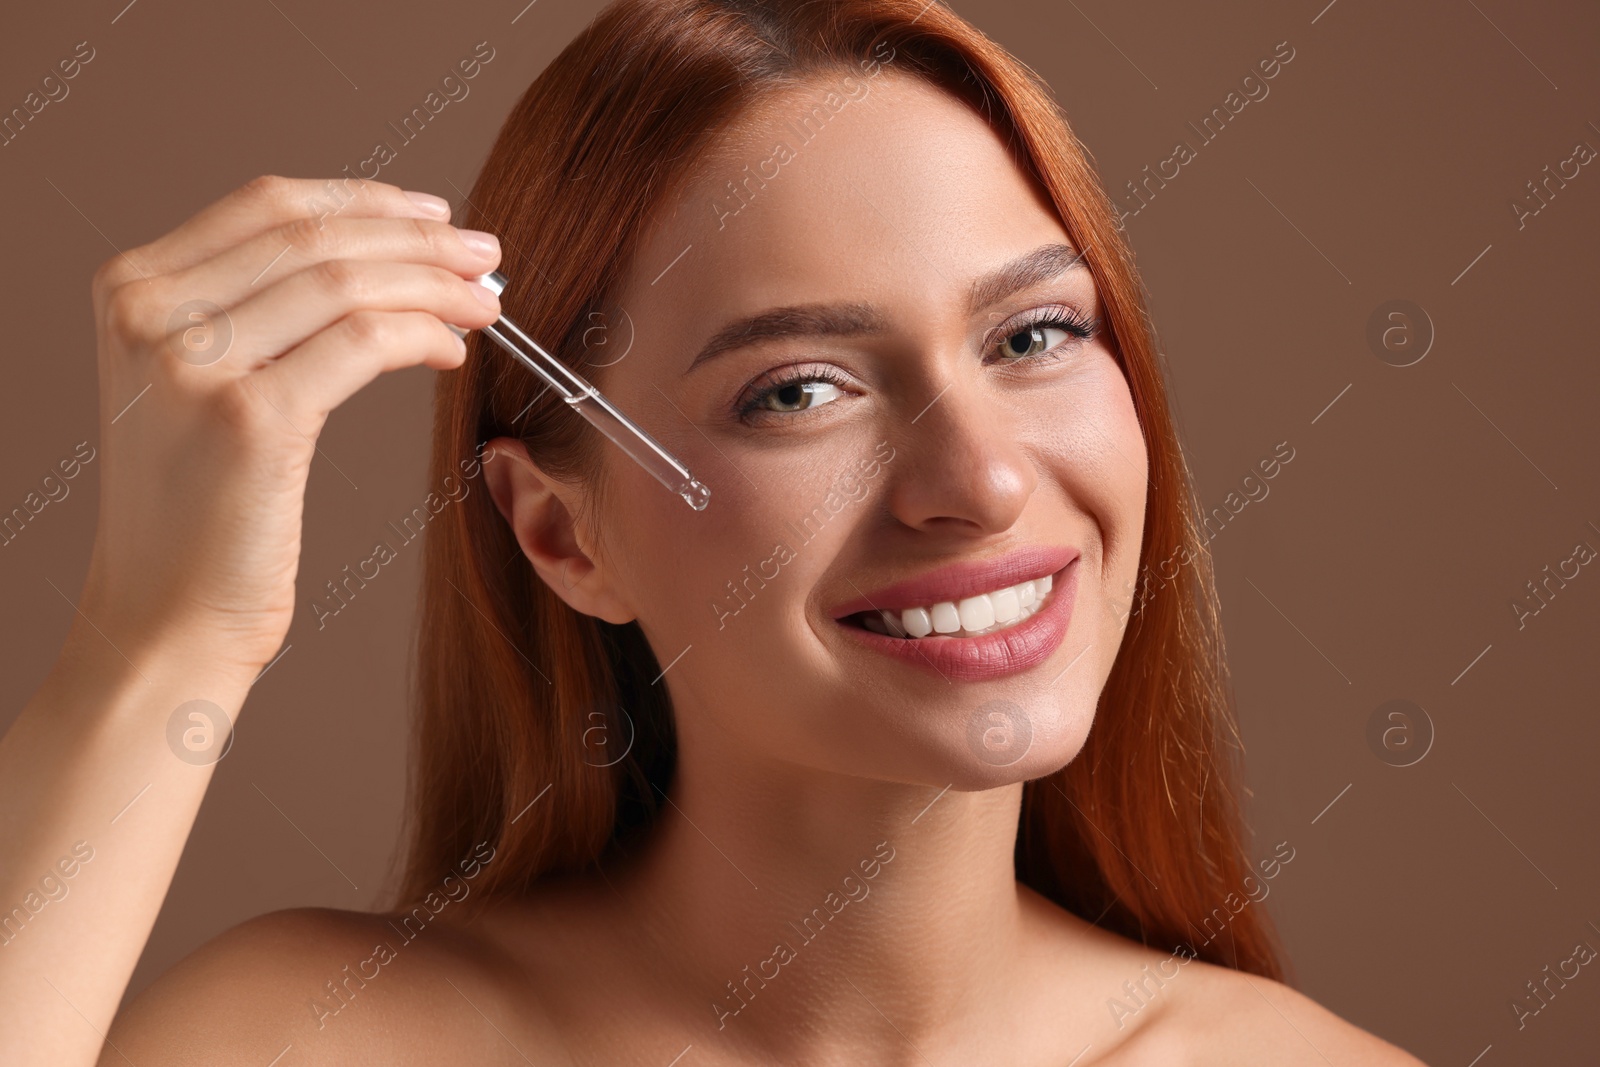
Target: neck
x=789, y=901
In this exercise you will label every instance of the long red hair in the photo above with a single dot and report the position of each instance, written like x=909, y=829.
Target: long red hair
x=1141, y=832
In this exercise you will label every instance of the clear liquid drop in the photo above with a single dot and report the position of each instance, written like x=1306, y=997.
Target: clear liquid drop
x=696, y=494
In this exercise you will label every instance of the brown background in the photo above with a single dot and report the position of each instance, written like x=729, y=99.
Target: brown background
x=1383, y=561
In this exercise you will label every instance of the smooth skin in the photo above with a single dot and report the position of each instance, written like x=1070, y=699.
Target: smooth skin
x=802, y=755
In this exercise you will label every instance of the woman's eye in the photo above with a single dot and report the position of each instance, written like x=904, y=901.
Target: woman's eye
x=799, y=395
x=1032, y=340
x=793, y=389
x=1045, y=331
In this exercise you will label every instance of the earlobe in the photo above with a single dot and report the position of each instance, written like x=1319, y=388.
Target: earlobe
x=539, y=509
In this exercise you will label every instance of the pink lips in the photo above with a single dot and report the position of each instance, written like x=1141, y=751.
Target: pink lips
x=1008, y=651
x=962, y=580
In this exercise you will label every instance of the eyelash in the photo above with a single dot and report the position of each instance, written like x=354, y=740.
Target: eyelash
x=1076, y=323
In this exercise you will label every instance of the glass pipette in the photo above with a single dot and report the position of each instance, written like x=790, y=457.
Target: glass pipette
x=589, y=402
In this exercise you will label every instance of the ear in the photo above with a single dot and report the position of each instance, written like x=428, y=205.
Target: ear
x=540, y=512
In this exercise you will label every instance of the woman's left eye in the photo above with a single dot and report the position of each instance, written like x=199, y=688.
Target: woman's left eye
x=1033, y=340
x=1044, y=334
x=792, y=390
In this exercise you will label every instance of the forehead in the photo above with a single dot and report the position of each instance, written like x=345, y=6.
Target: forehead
x=898, y=195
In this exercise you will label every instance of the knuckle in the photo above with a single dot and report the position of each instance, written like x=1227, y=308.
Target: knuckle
x=249, y=417
x=434, y=327
x=130, y=314
x=310, y=234
x=342, y=277
x=437, y=333
x=110, y=274
x=267, y=190
x=395, y=193
x=369, y=329
x=236, y=405
x=449, y=287
x=426, y=235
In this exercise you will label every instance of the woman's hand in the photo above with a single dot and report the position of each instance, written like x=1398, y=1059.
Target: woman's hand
x=223, y=346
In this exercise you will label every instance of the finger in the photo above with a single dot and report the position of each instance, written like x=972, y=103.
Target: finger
x=319, y=375
x=240, y=271
x=263, y=204
x=283, y=316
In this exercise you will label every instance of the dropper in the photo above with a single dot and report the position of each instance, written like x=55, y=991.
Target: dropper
x=589, y=402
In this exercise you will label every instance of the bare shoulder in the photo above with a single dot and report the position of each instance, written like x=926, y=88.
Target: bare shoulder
x=1148, y=1008
x=1227, y=1018
x=333, y=987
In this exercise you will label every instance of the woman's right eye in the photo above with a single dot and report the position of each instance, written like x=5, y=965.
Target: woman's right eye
x=799, y=395
x=800, y=390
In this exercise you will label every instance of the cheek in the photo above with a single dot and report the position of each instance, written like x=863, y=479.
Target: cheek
x=730, y=577
x=1133, y=483
x=1124, y=492
x=722, y=595
x=1124, y=532
x=1102, y=466
x=1100, y=451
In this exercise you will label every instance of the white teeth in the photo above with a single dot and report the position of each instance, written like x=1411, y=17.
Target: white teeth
x=967, y=617
x=977, y=612
x=1007, y=605
x=916, y=621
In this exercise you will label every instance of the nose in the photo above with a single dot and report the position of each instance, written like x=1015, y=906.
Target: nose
x=965, y=470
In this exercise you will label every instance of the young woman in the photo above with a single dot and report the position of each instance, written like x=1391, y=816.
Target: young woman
x=910, y=748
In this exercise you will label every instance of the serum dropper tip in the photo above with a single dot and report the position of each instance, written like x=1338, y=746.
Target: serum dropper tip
x=696, y=494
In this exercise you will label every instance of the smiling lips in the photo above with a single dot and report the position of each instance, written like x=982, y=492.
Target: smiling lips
x=971, y=616
x=972, y=620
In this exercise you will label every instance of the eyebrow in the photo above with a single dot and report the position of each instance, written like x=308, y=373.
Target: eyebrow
x=856, y=319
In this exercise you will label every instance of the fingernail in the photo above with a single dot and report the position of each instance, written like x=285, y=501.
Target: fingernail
x=461, y=344
x=485, y=244
x=485, y=297
x=457, y=330
x=436, y=206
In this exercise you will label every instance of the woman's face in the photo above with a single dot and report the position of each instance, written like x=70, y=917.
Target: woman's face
x=927, y=410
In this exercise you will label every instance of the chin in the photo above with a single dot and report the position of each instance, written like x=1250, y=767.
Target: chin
x=998, y=742
x=1006, y=741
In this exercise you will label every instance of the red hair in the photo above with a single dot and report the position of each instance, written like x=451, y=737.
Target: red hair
x=1141, y=832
